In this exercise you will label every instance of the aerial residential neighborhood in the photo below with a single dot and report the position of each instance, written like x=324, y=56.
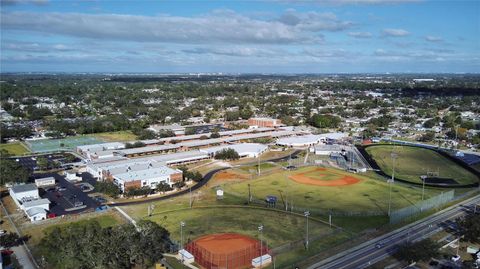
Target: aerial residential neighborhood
x=240, y=134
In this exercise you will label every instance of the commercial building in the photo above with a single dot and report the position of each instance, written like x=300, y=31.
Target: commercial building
x=300, y=141
x=28, y=199
x=264, y=122
x=24, y=193
x=149, y=177
x=250, y=150
x=102, y=150
x=44, y=182
x=232, y=137
x=104, y=171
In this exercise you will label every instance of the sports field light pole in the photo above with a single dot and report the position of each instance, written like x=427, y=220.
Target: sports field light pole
x=182, y=224
x=423, y=187
x=306, y=214
x=394, y=155
x=260, y=229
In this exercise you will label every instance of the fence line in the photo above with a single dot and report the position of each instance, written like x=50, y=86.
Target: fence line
x=410, y=211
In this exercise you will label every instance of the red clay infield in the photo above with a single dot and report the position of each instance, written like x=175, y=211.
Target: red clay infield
x=227, y=250
x=341, y=181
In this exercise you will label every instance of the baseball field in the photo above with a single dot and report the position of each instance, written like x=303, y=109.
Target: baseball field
x=413, y=162
x=328, y=189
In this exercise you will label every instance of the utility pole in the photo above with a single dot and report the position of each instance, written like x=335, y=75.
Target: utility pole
x=258, y=163
x=190, y=197
x=260, y=228
x=249, y=194
x=306, y=214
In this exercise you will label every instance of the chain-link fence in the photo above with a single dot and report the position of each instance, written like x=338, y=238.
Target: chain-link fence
x=434, y=202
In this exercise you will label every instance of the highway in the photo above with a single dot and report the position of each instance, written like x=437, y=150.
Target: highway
x=367, y=254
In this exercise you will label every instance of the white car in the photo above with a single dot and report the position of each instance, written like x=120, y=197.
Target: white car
x=2, y=232
x=455, y=258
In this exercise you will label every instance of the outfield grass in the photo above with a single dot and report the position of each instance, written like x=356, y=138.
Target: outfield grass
x=413, y=162
x=120, y=136
x=263, y=166
x=367, y=195
x=16, y=149
x=279, y=227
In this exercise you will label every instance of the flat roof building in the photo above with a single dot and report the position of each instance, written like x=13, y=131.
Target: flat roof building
x=264, y=122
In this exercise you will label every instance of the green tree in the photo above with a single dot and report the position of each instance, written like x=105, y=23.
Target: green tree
x=470, y=227
x=420, y=251
x=227, y=154
x=214, y=135
x=11, y=171
x=324, y=121
x=108, y=188
x=42, y=163
x=163, y=187
x=88, y=245
x=9, y=240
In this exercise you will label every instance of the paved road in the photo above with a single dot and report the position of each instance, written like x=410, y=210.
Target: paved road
x=367, y=254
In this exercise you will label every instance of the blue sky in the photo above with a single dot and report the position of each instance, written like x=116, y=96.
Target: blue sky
x=271, y=36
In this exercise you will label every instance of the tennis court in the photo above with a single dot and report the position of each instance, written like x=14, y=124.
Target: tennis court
x=68, y=143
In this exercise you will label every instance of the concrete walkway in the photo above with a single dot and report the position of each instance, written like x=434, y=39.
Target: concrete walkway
x=126, y=216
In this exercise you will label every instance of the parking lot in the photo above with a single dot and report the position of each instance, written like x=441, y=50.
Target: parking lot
x=31, y=162
x=66, y=197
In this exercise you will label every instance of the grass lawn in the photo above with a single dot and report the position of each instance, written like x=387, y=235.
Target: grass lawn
x=279, y=227
x=367, y=195
x=263, y=166
x=120, y=136
x=413, y=162
x=16, y=149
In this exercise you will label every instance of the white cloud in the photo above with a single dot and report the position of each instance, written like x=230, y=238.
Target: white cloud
x=219, y=26
x=314, y=21
x=430, y=38
x=395, y=32
x=236, y=51
x=360, y=34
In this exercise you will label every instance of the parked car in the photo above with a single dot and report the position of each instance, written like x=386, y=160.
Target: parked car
x=100, y=199
x=51, y=215
x=2, y=232
x=7, y=252
x=78, y=203
x=62, y=189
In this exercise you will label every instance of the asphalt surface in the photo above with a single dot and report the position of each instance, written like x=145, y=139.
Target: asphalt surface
x=368, y=253
x=63, y=201
x=31, y=162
